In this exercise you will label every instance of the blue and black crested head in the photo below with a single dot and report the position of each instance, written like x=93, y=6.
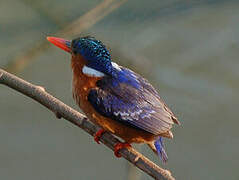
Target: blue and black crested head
x=98, y=59
x=90, y=48
x=94, y=52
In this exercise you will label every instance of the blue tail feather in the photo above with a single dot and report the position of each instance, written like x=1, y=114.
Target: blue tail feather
x=160, y=149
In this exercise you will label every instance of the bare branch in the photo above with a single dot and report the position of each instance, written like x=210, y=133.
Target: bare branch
x=61, y=110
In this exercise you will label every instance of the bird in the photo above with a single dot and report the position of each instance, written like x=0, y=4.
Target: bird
x=116, y=98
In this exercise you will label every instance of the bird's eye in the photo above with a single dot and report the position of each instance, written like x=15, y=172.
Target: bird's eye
x=74, y=46
x=73, y=43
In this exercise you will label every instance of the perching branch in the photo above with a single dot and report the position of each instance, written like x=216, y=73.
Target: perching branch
x=61, y=110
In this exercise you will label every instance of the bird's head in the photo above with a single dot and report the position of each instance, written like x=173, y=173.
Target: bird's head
x=97, y=58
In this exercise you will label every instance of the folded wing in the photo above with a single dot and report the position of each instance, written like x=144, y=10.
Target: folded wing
x=133, y=102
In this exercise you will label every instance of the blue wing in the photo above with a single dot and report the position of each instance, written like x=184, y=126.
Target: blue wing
x=130, y=99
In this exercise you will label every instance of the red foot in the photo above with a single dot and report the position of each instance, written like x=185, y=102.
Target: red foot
x=98, y=135
x=120, y=146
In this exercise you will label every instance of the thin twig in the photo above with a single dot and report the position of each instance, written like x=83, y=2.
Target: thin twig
x=40, y=95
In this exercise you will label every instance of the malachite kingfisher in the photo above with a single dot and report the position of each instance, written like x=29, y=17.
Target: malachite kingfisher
x=117, y=99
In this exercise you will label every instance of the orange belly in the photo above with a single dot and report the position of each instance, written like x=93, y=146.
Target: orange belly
x=129, y=134
x=81, y=87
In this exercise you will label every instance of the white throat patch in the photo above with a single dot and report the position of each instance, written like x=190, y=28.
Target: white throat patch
x=92, y=72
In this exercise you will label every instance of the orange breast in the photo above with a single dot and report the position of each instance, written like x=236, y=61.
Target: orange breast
x=81, y=87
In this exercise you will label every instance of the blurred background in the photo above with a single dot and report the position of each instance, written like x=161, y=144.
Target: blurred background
x=188, y=49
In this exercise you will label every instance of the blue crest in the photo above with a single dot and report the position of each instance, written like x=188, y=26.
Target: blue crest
x=94, y=52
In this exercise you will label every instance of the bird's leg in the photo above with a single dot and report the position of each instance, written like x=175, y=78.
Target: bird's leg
x=98, y=135
x=120, y=146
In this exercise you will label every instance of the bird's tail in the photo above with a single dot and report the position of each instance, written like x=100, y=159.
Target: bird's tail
x=158, y=147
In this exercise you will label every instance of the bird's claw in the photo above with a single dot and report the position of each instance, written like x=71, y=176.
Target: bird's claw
x=120, y=146
x=98, y=135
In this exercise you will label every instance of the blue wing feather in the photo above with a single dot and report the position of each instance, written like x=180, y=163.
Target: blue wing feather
x=130, y=99
x=161, y=149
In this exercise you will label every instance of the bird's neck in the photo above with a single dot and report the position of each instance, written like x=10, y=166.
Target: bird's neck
x=77, y=64
x=81, y=83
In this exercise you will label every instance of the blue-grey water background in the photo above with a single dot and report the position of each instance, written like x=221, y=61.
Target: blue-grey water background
x=188, y=49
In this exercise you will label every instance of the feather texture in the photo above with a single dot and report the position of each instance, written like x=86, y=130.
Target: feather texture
x=131, y=100
x=160, y=149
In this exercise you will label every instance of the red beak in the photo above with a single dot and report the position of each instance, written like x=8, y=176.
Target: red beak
x=61, y=43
